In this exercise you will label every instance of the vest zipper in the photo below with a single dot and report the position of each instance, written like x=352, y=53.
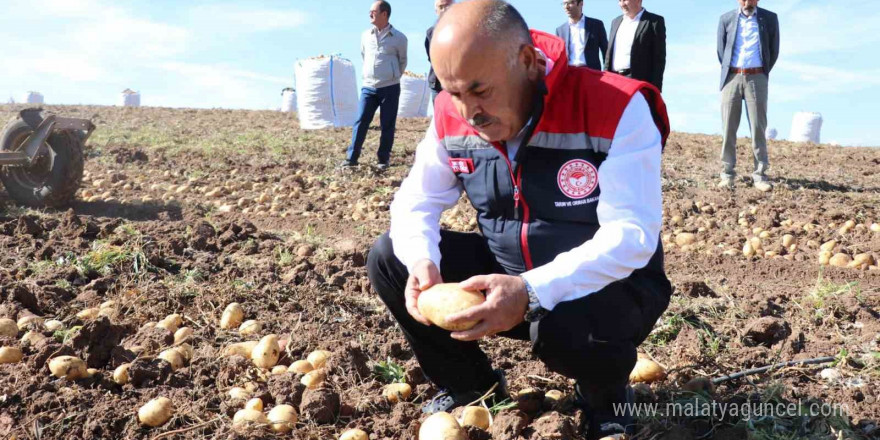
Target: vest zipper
x=516, y=180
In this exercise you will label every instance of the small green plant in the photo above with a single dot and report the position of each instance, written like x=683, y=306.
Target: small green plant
x=284, y=256
x=841, y=357
x=501, y=406
x=668, y=331
x=67, y=334
x=389, y=372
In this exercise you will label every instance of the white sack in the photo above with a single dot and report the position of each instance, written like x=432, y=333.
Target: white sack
x=771, y=133
x=327, y=94
x=288, y=100
x=129, y=98
x=414, y=97
x=806, y=127
x=33, y=98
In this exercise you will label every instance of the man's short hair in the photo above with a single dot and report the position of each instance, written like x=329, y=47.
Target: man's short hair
x=385, y=7
x=503, y=22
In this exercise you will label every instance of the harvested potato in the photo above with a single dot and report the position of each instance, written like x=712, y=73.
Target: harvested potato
x=247, y=418
x=120, y=374
x=53, y=325
x=266, y=353
x=685, y=238
x=748, y=250
x=825, y=258
x=8, y=328
x=788, y=240
x=314, y=379
x=862, y=259
x=174, y=358
x=25, y=321
x=279, y=369
x=10, y=355
x=239, y=393
x=171, y=322
x=68, y=367
x=318, y=358
x=250, y=327
x=828, y=246
x=354, y=434
x=255, y=404
x=840, y=260
x=553, y=397
x=156, y=412
x=301, y=367
x=646, y=370
x=243, y=349
x=875, y=227
x=182, y=335
x=282, y=418
x=441, y=426
x=476, y=416
x=186, y=351
x=89, y=314
x=232, y=316
x=32, y=338
x=442, y=300
x=396, y=392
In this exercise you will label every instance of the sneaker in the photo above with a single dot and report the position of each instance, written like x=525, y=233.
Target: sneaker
x=446, y=401
x=763, y=186
x=726, y=183
x=382, y=166
x=604, y=424
x=346, y=164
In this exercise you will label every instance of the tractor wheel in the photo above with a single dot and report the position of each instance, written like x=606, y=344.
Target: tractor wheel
x=54, y=177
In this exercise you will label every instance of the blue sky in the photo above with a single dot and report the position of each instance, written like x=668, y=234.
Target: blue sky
x=240, y=54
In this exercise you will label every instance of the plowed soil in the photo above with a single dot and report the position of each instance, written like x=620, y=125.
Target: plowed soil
x=186, y=211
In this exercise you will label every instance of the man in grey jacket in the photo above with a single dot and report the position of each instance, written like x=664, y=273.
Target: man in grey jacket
x=383, y=49
x=748, y=46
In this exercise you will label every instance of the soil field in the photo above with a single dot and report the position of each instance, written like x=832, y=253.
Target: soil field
x=186, y=211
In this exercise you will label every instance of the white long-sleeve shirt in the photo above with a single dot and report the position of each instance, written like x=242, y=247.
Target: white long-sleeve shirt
x=747, y=46
x=629, y=212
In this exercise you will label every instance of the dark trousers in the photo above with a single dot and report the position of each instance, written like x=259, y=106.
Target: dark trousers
x=592, y=339
x=387, y=99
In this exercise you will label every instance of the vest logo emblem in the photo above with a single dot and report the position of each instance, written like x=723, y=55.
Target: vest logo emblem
x=577, y=179
x=461, y=166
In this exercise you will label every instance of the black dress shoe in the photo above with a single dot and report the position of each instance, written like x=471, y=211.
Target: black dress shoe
x=382, y=166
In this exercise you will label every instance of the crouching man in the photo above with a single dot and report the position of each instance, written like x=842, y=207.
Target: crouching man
x=563, y=167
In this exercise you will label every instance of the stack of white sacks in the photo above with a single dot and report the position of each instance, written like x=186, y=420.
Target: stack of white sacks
x=806, y=127
x=414, y=96
x=288, y=100
x=130, y=98
x=327, y=94
x=33, y=98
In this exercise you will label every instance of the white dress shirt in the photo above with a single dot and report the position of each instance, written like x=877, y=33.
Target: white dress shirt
x=747, y=46
x=629, y=212
x=626, y=34
x=577, y=42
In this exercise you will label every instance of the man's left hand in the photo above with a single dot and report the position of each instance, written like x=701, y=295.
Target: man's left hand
x=505, y=306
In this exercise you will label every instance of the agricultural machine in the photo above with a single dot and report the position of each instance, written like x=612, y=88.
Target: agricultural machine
x=41, y=157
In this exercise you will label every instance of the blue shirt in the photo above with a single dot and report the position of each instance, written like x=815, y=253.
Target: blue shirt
x=747, y=47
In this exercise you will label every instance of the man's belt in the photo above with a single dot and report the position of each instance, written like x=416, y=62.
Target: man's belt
x=751, y=71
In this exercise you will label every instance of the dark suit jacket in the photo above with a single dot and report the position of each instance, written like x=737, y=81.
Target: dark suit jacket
x=648, y=61
x=595, y=37
x=433, y=82
x=768, y=27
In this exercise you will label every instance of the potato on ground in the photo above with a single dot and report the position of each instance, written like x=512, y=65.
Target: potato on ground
x=156, y=412
x=441, y=426
x=282, y=418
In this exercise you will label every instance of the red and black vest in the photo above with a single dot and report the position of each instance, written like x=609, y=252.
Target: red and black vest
x=543, y=202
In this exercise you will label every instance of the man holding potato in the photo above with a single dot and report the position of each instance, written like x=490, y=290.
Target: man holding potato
x=563, y=167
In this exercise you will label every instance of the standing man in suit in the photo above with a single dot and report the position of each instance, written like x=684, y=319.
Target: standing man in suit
x=585, y=38
x=383, y=49
x=440, y=7
x=748, y=46
x=638, y=44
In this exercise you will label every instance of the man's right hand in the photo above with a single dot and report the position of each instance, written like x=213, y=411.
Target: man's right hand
x=424, y=275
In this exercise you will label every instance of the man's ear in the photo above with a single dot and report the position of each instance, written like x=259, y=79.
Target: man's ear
x=533, y=62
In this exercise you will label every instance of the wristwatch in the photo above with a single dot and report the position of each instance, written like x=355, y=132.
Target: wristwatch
x=534, y=312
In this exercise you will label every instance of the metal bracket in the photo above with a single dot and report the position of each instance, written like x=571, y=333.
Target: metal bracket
x=36, y=142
